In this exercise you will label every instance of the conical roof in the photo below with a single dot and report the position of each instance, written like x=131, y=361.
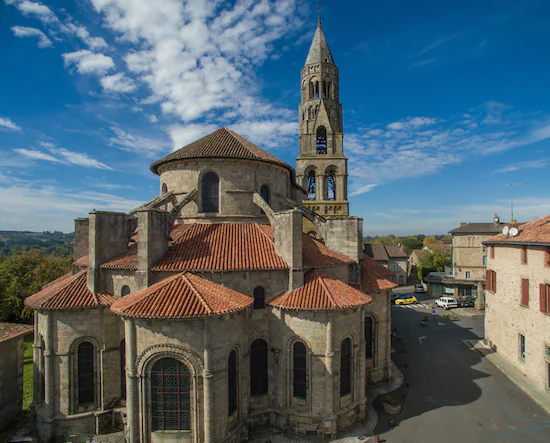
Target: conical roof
x=319, y=51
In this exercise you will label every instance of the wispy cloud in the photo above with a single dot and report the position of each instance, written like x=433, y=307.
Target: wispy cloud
x=134, y=142
x=437, y=43
x=533, y=164
x=118, y=83
x=23, y=31
x=7, y=124
x=64, y=156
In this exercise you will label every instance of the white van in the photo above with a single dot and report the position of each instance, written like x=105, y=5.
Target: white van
x=446, y=302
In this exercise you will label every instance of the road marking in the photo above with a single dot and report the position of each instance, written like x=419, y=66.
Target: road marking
x=422, y=338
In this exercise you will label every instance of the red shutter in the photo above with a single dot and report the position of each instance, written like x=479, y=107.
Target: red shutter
x=488, y=279
x=494, y=282
x=543, y=304
x=525, y=292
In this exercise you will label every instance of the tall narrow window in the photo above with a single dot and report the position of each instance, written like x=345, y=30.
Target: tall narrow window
x=522, y=347
x=311, y=186
x=123, y=369
x=170, y=396
x=125, y=290
x=345, y=368
x=300, y=371
x=259, y=298
x=164, y=189
x=523, y=255
x=331, y=185
x=258, y=368
x=369, y=337
x=321, y=143
x=232, y=382
x=525, y=292
x=210, y=192
x=265, y=193
x=85, y=367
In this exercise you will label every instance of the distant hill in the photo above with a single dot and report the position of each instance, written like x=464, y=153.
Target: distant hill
x=55, y=243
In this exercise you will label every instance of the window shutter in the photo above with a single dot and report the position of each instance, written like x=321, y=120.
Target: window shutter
x=494, y=282
x=543, y=304
x=525, y=292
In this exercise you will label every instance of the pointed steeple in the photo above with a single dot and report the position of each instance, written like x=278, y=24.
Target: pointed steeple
x=319, y=51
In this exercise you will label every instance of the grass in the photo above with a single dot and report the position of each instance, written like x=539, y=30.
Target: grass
x=28, y=379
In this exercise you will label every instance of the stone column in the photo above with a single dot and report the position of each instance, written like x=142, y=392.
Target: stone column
x=320, y=191
x=207, y=386
x=329, y=374
x=362, y=367
x=340, y=187
x=480, y=300
x=49, y=355
x=132, y=397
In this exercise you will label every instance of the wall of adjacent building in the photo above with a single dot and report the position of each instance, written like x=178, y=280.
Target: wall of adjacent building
x=468, y=253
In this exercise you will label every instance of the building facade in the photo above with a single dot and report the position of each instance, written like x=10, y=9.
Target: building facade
x=207, y=313
x=391, y=257
x=517, y=312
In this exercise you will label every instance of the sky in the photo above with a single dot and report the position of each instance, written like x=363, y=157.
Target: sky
x=445, y=103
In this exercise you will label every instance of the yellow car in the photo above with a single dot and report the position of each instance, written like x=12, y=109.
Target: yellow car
x=406, y=300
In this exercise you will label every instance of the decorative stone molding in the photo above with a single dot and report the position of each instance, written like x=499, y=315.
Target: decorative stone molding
x=169, y=350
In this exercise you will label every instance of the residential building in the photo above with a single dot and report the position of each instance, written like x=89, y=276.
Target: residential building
x=11, y=370
x=517, y=314
x=391, y=257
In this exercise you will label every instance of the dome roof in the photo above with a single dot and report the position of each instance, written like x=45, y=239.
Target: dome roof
x=222, y=143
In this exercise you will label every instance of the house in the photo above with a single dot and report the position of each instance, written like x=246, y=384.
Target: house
x=416, y=257
x=391, y=257
x=210, y=311
x=517, y=315
x=11, y=370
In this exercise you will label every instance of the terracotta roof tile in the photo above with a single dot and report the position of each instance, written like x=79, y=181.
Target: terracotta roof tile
x=222, y=143
x=13, y=330
x=127, y=260
x=82, y=262
x=321, y=292
x=68, y=293
x=316, y=255
x=374, y=276
x=184, y=295
x=537, y=231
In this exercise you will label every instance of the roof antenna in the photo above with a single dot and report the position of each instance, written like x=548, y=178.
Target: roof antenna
x=512, y=196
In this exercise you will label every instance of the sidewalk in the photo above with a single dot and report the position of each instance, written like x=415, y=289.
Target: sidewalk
x=468, y=312
x=538, y=394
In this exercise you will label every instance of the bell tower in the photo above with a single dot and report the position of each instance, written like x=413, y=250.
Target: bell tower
x=322, y=168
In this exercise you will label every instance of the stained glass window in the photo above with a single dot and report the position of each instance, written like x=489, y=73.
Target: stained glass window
x=369, y=336
x=85, y=366
x=210, y=192
x=345, y=368
x=300, y=371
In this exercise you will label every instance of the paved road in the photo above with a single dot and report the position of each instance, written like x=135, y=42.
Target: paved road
x=452, y=393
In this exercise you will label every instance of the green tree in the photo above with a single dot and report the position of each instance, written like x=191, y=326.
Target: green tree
x=430, y=241
x=436, y=260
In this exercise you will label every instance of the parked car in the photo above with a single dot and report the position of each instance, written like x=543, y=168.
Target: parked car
x=407, y=299
x=466, y=303
x=419, y=288
x=446, y=302
x=394, y=297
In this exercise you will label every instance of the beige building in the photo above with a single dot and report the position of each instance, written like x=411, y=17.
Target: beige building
x=391, y=257
x=207, y=313
x=11, y=370
x=517, y=314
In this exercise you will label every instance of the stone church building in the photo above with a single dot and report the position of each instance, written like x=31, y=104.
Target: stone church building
x=238, y=299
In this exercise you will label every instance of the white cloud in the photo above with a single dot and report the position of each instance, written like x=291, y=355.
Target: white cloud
x=533, y=164
x=88, y=62
x=36, y=9
x=22, y=31
x=61, y=155
x=182, y=135
x=6, y=123
x=131, y=142
x=117, y=83
x=153, y=118
x=37, y=155
x=268, y=133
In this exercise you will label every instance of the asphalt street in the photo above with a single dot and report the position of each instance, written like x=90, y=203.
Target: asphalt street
x=452, y=393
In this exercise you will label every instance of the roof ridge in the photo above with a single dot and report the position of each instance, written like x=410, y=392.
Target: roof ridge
x=325, y=287
x=197, y=293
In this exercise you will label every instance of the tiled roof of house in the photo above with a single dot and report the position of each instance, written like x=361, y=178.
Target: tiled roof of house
x=376, y=251
x=374, y=276
x=184, y=295
x=395, y=251
x=127, y=260
x=478, y=228
x=68, y=293
x=321, y=292
x=9, y=331
x=537, y=231
x=222, y=143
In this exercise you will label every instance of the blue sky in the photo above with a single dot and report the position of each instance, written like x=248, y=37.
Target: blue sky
x=444, y=102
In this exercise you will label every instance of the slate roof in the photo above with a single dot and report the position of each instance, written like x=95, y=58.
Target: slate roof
x=478, y=228
x=181, y=296
x=374, y=276
x=222, y=143
x=319, y=50
x=9, y=331
x=376, y=251
x=537, y=231
x=68, y=293
x=395, y=251
x=321, y=292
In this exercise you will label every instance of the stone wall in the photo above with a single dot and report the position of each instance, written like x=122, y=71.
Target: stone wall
x=468, y=253
x=11, y=380
x=507, y=318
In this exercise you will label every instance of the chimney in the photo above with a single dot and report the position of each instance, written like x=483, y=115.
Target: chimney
x=108, y=237
x=462, y=224
x=287, y=233
x=497, y=220
x=81, y=238
x=153, y=234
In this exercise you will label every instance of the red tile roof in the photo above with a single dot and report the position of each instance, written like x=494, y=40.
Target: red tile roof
x=374, y=276
x=222, y=143
x=68, y=293
x=9, y=331
x=321, y=292
x=537, y=231
x=82, y=262
x=127, y=260
x=184, y=295
x=316, y=255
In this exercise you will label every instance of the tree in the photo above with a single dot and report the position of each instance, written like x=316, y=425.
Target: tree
x=411, y=243
x=437, y=260
x=430, y=241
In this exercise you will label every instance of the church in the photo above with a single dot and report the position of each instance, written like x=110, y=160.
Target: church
x=237, y=300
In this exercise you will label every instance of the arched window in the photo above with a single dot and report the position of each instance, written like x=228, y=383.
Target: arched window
x=232, y=381
x=311, y=186
x=311, y=90
x=300, y=371
x=265, y=193
x=170, y=396
x=331, y=184
x=259, y=298
x=321, y=143
x=210, y=192
x=324, y=89
x=164, y=189
x=369, y=336
x=258, y=368
x=85, y=377
x=123, y=369
x=345, y=368
x=124, y=291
